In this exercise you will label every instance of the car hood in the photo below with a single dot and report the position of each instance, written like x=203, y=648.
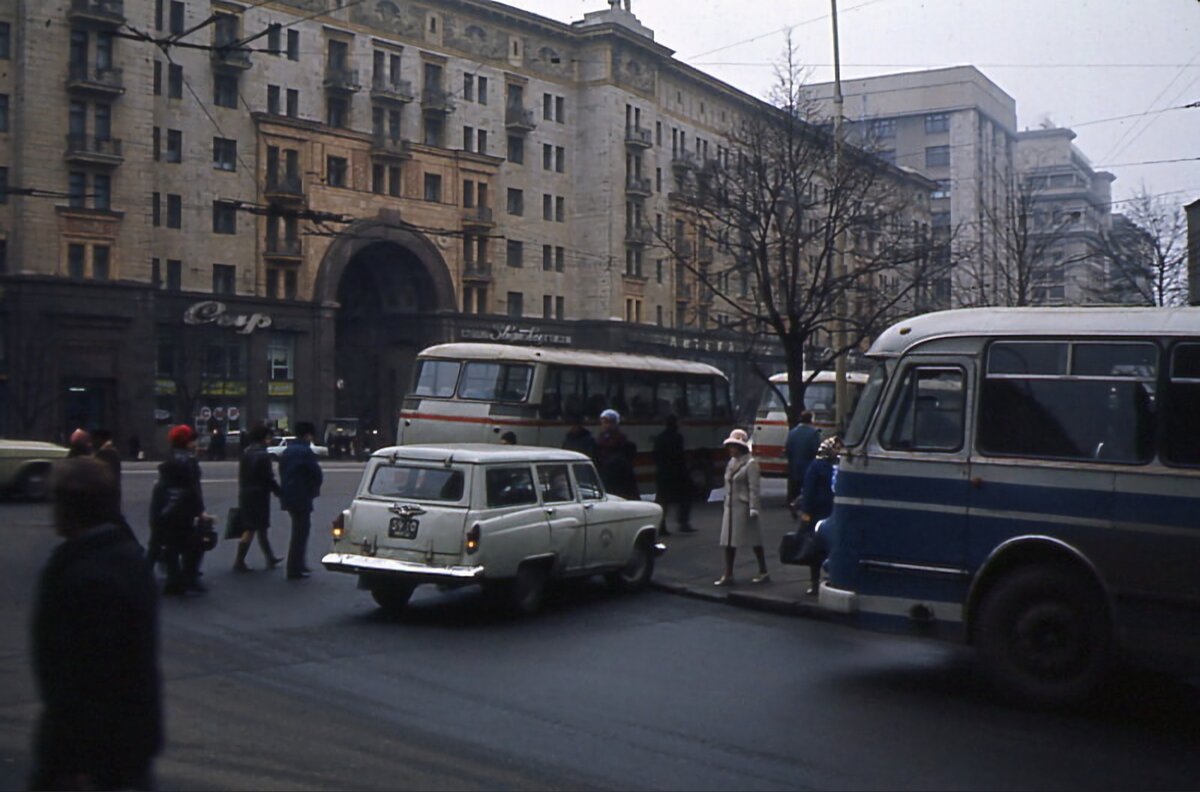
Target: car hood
x=31, y=448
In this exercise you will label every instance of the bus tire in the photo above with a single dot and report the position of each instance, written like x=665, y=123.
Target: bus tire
x=392, y=597
x=1043, y=634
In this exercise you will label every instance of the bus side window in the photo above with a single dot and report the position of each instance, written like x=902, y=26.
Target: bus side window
x=1182, y=408
x=927, y=412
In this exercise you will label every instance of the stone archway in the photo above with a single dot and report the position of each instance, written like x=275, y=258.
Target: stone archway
x=380, y=280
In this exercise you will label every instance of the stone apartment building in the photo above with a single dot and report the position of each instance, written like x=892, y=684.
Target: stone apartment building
x=224, y=211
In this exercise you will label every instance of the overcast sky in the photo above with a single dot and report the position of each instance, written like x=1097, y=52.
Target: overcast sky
x=1074, y=63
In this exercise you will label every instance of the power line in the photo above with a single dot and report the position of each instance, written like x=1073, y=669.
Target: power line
x=780, y=30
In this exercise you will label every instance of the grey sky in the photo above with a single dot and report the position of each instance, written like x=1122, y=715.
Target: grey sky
x=1075, y=63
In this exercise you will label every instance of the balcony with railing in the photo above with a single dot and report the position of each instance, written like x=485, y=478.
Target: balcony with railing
x=638, y=137
x=384, y=89
x=340, y=80
x=284, y=188
x=86, y=78
x=436, y=100
x=477, y=270
x=99, y=13
x=518, y=119
x=285, y=249
x=390, y=147
x=639, y=187
x=479, y=216
x=683, y=290
x=639, y=235
x=683, y=161
x=93, y=150
x=230, y=57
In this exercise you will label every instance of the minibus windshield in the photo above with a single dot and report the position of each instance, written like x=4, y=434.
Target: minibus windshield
x=866, y=406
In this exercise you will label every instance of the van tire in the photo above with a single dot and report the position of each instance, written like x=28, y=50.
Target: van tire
x=527, y=591
x=635, y=575
x=393, y=597
x=1043, y=634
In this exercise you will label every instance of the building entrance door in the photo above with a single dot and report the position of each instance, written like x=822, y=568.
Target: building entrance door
x=86, y=405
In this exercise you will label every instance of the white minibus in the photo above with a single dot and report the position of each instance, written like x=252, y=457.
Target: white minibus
x=771, y=420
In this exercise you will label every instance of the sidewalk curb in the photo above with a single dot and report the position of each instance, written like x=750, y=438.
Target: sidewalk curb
x=740, y=599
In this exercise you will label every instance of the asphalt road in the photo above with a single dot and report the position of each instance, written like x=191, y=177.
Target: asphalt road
x=273, y=684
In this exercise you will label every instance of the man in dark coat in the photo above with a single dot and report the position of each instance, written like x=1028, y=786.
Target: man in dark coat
x=615, y=456
x=300, y=481
x=95, y=645
x=176, y=502
x=256, y=482
x=800, y=448
x=578, y=438
x=672, y=478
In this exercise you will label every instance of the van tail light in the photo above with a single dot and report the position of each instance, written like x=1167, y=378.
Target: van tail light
x=473, y=538
x=339, y=526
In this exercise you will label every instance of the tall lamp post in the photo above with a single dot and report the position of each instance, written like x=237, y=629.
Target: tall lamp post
x=841, y=393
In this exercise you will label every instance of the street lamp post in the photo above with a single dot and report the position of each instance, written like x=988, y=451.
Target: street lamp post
x=841, y=393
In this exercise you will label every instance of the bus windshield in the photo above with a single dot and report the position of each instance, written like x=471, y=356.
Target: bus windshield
x=866, y=406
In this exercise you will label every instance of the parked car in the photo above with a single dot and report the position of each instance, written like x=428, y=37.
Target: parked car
x=510, y=518
x=277, y=447
x=25, y=467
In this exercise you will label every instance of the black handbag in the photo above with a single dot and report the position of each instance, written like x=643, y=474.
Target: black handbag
x=804, y=547
x=233, y=523
x=208, y=533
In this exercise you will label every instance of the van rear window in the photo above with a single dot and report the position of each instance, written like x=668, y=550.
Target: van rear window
x=417, y=483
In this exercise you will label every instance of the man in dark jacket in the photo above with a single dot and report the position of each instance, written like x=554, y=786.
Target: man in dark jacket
x=300, y=483
x=800, y=448
x=673, y=480
x=95, y=645
x=256, y=482
x=176, y=503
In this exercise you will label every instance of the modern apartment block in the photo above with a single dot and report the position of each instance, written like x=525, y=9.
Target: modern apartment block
x=228, y=211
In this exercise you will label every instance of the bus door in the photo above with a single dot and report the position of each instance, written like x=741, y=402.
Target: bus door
x=913, y=526
x=564, y=512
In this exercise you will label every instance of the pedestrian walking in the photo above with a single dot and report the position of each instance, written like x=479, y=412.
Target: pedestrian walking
x=816, y=499
x=739, y=518
x=216, y=441
x=256, y=483
x=614, y=457
x=300, y=483
x=673, y=480
x=80, y=444
x=176, y=504
x=94, y=644
x=800, y=448
x=578, y=438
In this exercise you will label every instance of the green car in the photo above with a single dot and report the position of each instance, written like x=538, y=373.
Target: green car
x=25, y=467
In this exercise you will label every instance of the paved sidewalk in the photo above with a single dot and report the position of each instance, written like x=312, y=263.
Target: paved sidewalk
x=694, y=560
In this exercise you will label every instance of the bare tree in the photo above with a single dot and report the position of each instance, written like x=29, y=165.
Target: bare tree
x=1145, y=255
x=792, y=235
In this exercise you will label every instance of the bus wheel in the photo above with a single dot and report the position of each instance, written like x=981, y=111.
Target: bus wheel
x=1042, y=633
x=701, y=482
x=392, y=597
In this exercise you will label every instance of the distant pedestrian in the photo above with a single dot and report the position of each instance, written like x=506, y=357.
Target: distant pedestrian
x=216, y=441
x=800, y=449
x=614, y=457
x=508, y=438
x=673, y=480
x=256, y=483
x=740, y=516
x=816, y=499
x=80, y=444
x=95, y=645
x=106, y=451
x=176, y=504
x=300, y=481
x=578, y=438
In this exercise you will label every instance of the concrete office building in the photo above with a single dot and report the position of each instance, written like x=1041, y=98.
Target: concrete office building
x=229, y=211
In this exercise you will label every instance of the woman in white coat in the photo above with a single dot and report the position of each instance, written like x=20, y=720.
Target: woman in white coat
x=739, y=520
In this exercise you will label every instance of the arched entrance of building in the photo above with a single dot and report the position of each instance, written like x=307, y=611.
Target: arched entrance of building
x=383, y=281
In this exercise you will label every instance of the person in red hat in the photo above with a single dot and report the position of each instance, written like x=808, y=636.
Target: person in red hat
x=80, y=444
x=175, y=504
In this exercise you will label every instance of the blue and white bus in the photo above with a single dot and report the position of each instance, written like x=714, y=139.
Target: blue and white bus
x=1027, y=480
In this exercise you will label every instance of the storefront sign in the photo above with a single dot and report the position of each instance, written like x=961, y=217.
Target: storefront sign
x=281, y=388
x=213, y=312
x=513, y=334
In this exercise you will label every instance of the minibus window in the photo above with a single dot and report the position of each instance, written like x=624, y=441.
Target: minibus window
x=1182, y=404
x=700, y=398
x=1115, y=360
x=866, y=406
x=770, y=398
x=670, y=398
x=721, y=406
x=495, y=382
x=1027, y=358
x=437, y=378
x=927, y=412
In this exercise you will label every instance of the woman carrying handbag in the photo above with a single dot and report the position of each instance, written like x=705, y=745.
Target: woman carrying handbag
x=256, y=483
x=739, y=519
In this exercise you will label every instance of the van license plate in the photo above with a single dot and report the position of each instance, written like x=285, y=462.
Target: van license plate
x=399, y=528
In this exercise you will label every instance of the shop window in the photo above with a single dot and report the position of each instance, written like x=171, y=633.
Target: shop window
x=279, y=357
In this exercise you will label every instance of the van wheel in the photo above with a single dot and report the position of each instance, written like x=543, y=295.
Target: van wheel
x=634, y=576
x=1043, y=634
x=34, y=484
x=527, y=590
x=392, y=597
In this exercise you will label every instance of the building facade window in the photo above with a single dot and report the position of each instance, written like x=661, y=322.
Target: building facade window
x=174, y=211
x=273, y=102
x=224, y=278
x=225, y=154
x=76, y=261
x=293, y=45
x=174, y=275
x=176, y=21
x=516, y=149
x=433, y=187
x=101, y=262
x=335, y=171
x=174, y=146
x=293, y=103
x=881, y=128
x=174, y=81
x=516, y=201
x=224, y=217
x=225, y=90
x=515, y=305
x=515, y=253
x=937, y=156
x=937, y=122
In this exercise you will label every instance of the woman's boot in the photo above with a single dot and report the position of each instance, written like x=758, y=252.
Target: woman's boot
x=264, y=542
x=239, y=564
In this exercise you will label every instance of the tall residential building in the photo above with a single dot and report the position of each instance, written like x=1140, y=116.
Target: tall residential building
x=220, y=211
